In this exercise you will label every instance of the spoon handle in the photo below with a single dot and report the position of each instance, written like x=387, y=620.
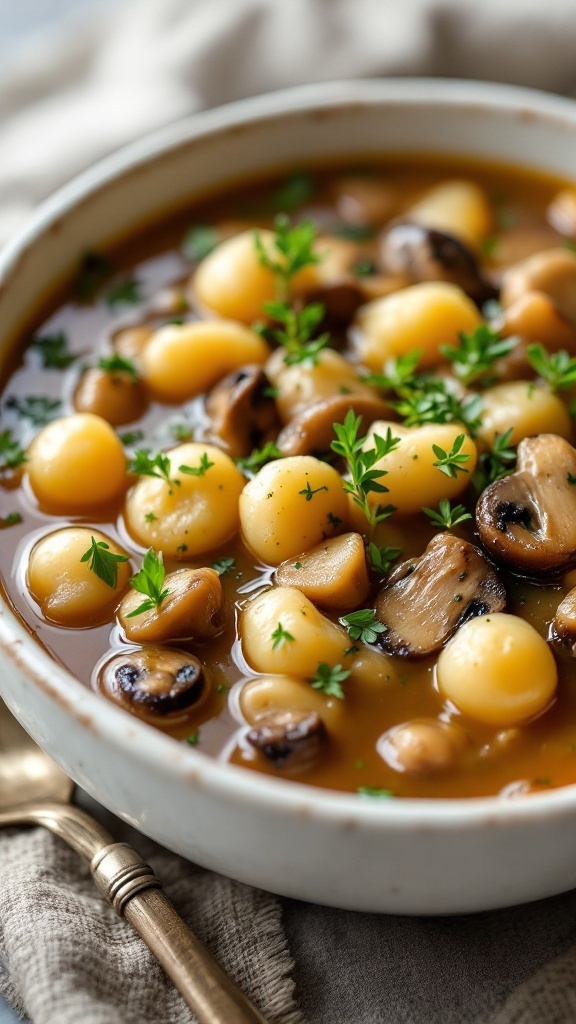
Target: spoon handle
x=135, y=893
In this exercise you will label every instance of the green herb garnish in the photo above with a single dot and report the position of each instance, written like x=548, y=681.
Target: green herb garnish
x=103, y=562
x=280, y=636
x=451, y=463
x=145, y=464
x=557, y=369
x=54, y=352
x=473, y=359
x=364, y=478
x=495, y=464
x=149, y=581
x=292, y=251
x=364, y=268
x=375, y=791
x=297, y=189
x=329, y=678
x=125, y=293
x=10, y=520
x=199, y=242
x=94, y=271
x=194, y=738
x=354, y=232
x=258, y=458
x=381, y=559
x=309, y=493
x=447, y=517
x=118, y=364
x=11, y=454
x=294, y=331
x=36, y=408
x=363, y=625
x=131, y=437
x=430, y=401
x=224, y=565
x=199, y=470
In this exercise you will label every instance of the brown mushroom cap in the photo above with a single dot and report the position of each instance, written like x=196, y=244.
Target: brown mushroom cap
x=153, y=681
x=341, y=299
x=242, y=416
x=289, y=739
x=552, y=272
x=113, y=395
x=333, y=574
x=422, y=746
x=312, y=430
x=427, y=254
x=425, y=600
x=563, y=627
x=193, y=609
x=528, y=520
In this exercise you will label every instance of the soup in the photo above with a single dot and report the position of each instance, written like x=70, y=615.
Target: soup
x=292, y=479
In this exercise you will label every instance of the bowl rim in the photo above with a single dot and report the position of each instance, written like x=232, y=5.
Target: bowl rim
x=141, y=741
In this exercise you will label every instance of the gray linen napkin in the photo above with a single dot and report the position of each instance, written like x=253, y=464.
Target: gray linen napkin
x=66, y=957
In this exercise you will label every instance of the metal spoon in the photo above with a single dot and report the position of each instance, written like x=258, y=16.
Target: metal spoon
x=35, y=791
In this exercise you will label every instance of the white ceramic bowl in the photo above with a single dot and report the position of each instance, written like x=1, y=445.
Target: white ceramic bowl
x=405, y=856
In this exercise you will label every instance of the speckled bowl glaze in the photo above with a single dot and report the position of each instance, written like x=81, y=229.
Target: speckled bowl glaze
x=407, y=857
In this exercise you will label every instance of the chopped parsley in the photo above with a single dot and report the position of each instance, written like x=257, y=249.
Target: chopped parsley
x=103, y=561
x=149, y=581
x=199, y=470
x=297, y=189
x=258, y=458
x=224, y=565
x=309, y=492
x=39, y=409
x=10, y=520
x=375, y=791
x=280, y=636
x=145, y=464
x=11, y=454
x=118, y=364
x=54, y=351
x=125, y=293
x=95, y=269
x=363, y=625
x=329, y=678
x=131, y=437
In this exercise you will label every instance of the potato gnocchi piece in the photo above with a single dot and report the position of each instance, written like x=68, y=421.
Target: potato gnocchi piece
x=302, y=385
x=527, y=408
x=333, y=574
x=76, y=463
x=424, y=316
x=67, y=590
x=183, y=360
x=412, y=478
x=259, y=697
x=195, y=515
x=279, y=610
x=458, y=207
x=232, y=282
x=290, y=506
x=193, y=609
x=498, y=670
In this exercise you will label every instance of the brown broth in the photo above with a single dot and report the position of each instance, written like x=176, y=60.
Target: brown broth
x=539, y=754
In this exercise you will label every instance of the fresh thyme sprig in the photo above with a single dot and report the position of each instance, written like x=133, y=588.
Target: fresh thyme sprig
x=329, y=678
x=473, y=359
x=258, y=458
x=399, y=372
x=380, y=559
x=558, y=369
x=495, y=464
x=199, y=242
x=364, y=479
x=291, y=252
x=103, y=562
x=149, y=580
x=11, y=454
x=431, y=401
x=224, y=565
x=145, y=464
x=295, y=331
x=363, y=625
x=447, y=517
x=451, y=463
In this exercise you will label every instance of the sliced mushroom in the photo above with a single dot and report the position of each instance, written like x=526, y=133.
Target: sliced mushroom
x=291, y=740
x=552, y=272
x=422, y=746
x=114, y=395
x=312, y=429
x=528, y=519
x=242, y=416
x=193, y=609
x=333, y=574
x=153, y=681
x=341, y=299
x=426, y=254
x=564, y=625
x=425, y=600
